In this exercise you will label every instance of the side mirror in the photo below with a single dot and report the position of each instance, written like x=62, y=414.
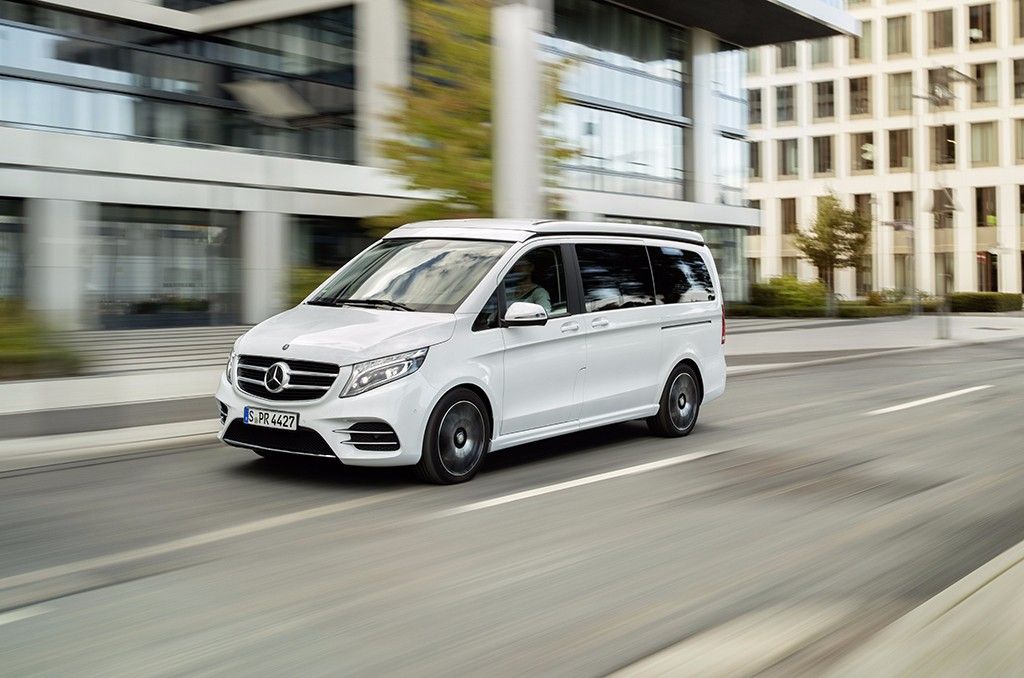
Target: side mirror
x=525, y=314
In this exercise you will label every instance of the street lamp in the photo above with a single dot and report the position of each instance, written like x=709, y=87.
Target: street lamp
x=939, y=94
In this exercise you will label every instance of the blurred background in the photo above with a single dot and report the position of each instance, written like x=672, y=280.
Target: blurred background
x=173, y=172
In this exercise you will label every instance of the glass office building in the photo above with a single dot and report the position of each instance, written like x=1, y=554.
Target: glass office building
x=175, y=161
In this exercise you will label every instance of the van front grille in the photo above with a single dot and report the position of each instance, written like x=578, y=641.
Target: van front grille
x=301, y=441
x=305, y=380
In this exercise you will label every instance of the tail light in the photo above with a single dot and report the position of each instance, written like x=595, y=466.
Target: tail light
x=723, y=323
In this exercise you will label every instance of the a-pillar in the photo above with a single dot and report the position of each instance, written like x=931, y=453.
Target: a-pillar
x=265, y=252
x=516, y=73
x=56, y=261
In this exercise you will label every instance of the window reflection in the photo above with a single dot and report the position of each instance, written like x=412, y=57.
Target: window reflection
x=12, y=253
x=97, y=76
x=615, y=276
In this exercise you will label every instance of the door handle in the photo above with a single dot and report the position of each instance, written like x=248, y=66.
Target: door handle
x=600, y=323
x=570, y=327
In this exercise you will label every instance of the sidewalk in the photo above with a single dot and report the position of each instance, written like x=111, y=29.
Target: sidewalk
x=973, y=628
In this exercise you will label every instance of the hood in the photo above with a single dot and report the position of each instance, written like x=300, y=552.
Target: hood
x=346, y=334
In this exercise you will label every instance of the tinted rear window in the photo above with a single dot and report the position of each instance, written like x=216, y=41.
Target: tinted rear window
x=680, y=276
x=615, y=276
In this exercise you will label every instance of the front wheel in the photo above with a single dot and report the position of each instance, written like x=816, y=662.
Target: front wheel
x=456, y=440
x=680, y=404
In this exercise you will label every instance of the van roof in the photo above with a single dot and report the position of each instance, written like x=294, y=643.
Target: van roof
x=517, y=230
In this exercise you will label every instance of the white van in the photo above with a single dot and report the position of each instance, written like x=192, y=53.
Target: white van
x=450, y=339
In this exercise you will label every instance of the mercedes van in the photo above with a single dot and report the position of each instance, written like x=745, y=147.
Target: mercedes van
x=447, y=340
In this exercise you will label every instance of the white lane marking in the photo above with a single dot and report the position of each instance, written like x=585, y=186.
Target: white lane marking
x=579, y=482
x=925, y=401
x=193, y=541
x=22, y=613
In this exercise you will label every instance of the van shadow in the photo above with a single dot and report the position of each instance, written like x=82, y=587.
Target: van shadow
x=571, y=444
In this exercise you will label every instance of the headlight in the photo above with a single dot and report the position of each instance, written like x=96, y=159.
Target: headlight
x=229, y=369
x=374, y=373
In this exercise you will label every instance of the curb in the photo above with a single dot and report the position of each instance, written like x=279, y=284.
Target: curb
x=895, y=640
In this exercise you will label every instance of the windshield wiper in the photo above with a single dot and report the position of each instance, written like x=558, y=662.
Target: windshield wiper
x=371, y=303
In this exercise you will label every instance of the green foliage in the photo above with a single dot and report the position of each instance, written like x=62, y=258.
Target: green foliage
x=787, y=291
x=443, y=140
x=302, y=281
x=755, y=311
x=28, y=350
x=838, y=239
x=984, y=302
x=875, y=299
x=893, y=296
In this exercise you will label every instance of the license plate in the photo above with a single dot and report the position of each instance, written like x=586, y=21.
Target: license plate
x=253, y=416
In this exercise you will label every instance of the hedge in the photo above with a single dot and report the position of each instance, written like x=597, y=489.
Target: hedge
x=844, y=310
x=867, y=311
x=984, y=302
x=787, y=292
x=305, y=280
x=28, y=351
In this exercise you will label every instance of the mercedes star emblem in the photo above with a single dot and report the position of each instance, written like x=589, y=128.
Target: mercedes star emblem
x=277, y=377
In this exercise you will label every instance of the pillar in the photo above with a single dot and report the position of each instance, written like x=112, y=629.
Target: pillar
x=518, y=98
x=265, y=267
x=56, y=262
x=382, y=57
x=703, y=162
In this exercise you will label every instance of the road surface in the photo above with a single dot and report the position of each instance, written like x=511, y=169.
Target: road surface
x=810, y=508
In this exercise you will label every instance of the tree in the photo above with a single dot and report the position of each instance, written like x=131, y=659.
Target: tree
x=443, y=140
x=838, y=239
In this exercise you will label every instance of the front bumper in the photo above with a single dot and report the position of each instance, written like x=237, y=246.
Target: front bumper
x=403, y=405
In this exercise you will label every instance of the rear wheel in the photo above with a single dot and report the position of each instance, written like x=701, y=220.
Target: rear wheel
x=680, y=404
x=456, y=440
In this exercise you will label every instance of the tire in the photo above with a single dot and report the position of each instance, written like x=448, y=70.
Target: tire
x=680, y=404
x=456, y=440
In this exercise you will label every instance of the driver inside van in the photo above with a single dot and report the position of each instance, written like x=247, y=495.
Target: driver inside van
x=519, y=286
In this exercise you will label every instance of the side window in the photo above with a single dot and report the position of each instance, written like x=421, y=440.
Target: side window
x=538, y=277
x=487, y=319
x=615, y=276
x=680, y=276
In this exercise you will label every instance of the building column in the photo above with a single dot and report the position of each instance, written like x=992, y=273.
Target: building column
x=56, y=261
x=518, y=97
x=885, y=277
x=265, y=251
x=382, y=57
x=702, y=161
x=771, y=239
x=1008, y=239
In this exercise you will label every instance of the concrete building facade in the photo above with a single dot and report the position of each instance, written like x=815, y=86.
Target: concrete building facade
x=170, y=162
x=918, y=123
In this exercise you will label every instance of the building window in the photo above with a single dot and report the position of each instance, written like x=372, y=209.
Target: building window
x=986, y=88
x=754, y=160
x=1018, y=79
x=943, y=207
x=789, y=266
x=938, y=83
x=862, y=205
x=787, y=215
x=903, y=207
x=327, y=242
x=862, y=151
x=943, y=145
x=979, y=24
x=824, y=100
x=900, y=99
x=788, y=157
x=1018, y=129
x=821, y=51
x=823, y=155
x=984, y=152
x=754, y=106
x=12, y=249
x=900, y=154
x=223, y=89
x=940, y=29
x=860, y=96
x=860, y=47
x=985, y=206
x=1018, y=19
x=784, y=103
x=754, y=61
x=897, y=35
x=785, y=56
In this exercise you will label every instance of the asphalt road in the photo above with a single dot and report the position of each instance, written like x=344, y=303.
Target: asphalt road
x=791, y=520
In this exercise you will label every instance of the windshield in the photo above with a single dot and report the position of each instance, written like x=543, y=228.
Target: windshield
x=430, y=275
